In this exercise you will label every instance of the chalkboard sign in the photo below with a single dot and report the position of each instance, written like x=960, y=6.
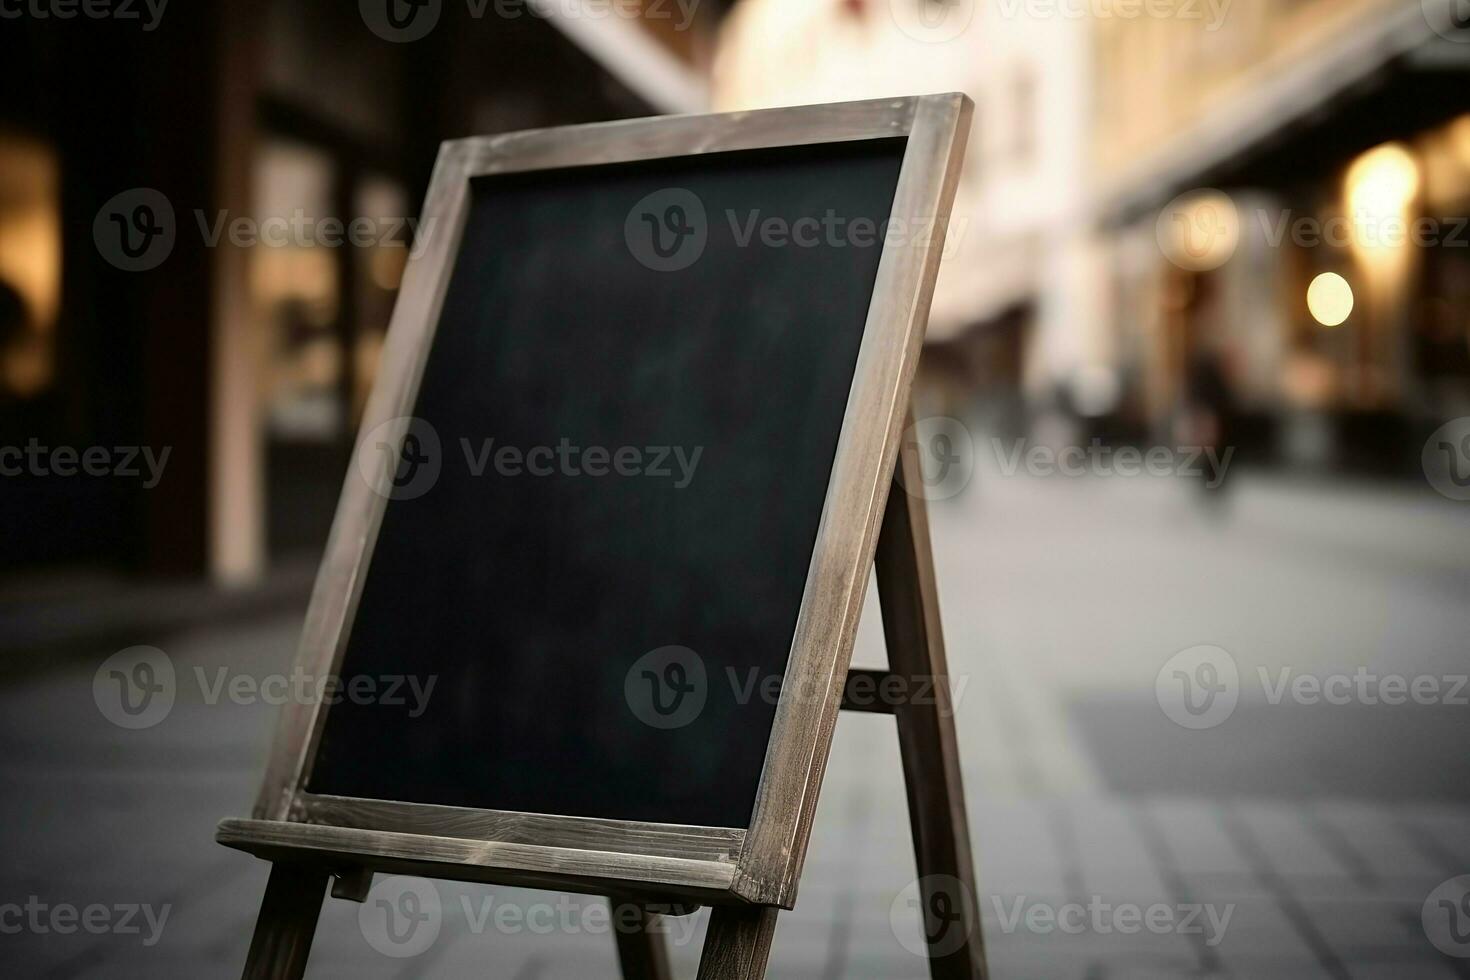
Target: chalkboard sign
x=531, y=593
x=593, y=582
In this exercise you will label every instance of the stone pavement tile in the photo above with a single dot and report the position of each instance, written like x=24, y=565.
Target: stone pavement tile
x=1204, y=886
x=1409, y=890
x=867, y=917
x=1112, y=853
x=150, y=965
x=801, y=950
x=1445, y=833
x=473, y=942
x=1083, y=957
x=844, y=857
x=842, y=918
x=343, y=946
x=1196, y=843
x=31, y=954
x=787, y=964
x=866, y=853
x=1016, y=849
x=173, y=904
x=882, y=925
x=900, y=966
x=209, y=941
x=474, y=957
x=232, y=945
x=203, y=916
x=1420, y=968
x=822, y=927
x=885, y=862
x=1370, y=930
x=1291, y=848
x=840, y=935
x=1398, y=867
x=1037, y=956
x=112, y=820
x=1255, y=967
x=1010, y=723
x=1257, y=928
x=1406, y=966
x=214, y=913
x=1103, y=930
x=990, y=772
x=1411, y=968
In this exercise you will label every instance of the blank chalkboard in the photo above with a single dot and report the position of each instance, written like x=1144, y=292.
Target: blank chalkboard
x=675, y=423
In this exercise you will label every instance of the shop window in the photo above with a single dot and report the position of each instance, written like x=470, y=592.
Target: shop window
x=296, y=294
x=30, y=267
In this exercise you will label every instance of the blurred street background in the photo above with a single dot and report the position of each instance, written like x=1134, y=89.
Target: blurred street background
x=1195, y=412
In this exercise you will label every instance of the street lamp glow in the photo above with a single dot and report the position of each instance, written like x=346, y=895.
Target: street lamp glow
x=1381, y=187
x=1460, y=139
x=1200, y=230
x=1330, y=299
x=1383, y=182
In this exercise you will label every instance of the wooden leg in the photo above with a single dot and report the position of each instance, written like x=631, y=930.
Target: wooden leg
x=738, y=943
x=926, y=735
x=642, y=952
x=287, y=922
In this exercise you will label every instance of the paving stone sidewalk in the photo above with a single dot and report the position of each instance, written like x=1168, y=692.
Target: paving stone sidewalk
x=1298, y=840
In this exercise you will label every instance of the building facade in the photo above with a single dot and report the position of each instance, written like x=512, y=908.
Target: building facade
x=203, y=219
x=1278, y=193
x=1014, y=279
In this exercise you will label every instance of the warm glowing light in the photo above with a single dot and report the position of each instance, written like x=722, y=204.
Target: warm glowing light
x=386, y=264
x=1330, y=299
x=30, y=262
x=1381, y=187
x=25, y=367
x=30, y=226
x=1199, y=231
x=1459, y=133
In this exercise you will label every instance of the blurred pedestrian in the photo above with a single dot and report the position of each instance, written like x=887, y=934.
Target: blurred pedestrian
x=1208, y=420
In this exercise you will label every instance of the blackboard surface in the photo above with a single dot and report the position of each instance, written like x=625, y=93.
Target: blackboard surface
x=528, y=599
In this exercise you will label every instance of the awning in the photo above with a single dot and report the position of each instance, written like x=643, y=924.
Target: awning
x=1230, y=136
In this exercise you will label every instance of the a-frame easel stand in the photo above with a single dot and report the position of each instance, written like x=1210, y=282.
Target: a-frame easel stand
x=738, y=943
x=739, y=939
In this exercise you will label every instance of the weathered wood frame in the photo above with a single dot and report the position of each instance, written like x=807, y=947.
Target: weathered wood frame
x=760, y=864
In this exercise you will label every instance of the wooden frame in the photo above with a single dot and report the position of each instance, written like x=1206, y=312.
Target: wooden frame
x=761, y=864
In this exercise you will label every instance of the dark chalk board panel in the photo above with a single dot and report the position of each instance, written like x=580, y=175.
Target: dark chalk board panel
x=528, y=598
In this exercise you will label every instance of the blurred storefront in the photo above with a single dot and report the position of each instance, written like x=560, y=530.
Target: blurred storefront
x=1143, y=195
x=247, y=356
x=1014, y=281
x=1151, y=191
x=1281, y=200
